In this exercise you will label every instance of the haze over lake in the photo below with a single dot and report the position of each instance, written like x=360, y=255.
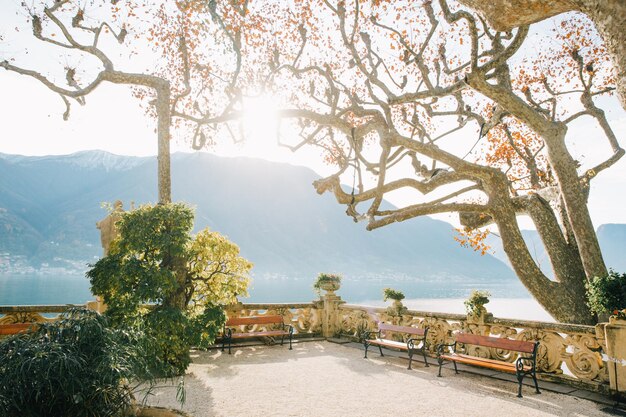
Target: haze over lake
x=509, y=299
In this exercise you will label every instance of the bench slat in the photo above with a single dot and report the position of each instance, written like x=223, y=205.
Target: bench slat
x=496, y=342
x=15, y=328
x=259, y=334
x=401, y=329
x=238, y=321
x=485, y=363
x=388, y=343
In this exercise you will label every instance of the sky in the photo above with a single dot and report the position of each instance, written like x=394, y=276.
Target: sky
x=112, y=120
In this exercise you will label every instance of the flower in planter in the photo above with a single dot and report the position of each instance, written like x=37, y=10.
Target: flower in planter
x=391, y=294
x=327, y=282
x=475, y=304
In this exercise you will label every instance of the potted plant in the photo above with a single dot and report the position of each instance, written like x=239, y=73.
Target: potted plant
x=475, y=304
x=607, y=295
x=391, y=294
x=396, y=309
x=327, y=282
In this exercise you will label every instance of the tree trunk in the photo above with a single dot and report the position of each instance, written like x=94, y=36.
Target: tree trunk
x=563, y=301
x=575, y=200
x=609, y=16
x=164, y=118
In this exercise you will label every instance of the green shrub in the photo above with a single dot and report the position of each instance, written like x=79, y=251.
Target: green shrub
x=186, y=280
x=391, y=294
x=607, y=294
x=476, y=301
x=77, y=366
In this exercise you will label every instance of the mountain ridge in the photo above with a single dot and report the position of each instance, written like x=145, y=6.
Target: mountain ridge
x=49, y=207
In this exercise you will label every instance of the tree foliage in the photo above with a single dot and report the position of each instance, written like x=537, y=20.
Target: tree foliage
x=174, y=284
x=607, y=294
x=76, y=366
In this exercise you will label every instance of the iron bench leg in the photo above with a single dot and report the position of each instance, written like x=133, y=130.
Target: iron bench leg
x=367, y=345
x=410, y=358
x=534, y=375
x=520, y=378
x=424, y=355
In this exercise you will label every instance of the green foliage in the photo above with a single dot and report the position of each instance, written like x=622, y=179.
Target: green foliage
x=391, y=294
x=324, y=278
x=476, y=301
x=607, y=294
x=158, y=275
x=77, y=366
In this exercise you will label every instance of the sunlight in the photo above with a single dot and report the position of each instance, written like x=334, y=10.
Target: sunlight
x=260, y=123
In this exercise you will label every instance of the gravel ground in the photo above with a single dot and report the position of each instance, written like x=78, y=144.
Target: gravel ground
x=321, y=379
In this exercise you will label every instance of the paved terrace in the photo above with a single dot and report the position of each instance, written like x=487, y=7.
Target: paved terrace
x=320, y=379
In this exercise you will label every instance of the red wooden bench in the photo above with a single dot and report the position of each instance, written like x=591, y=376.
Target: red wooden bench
x=411, y=345
x=15, y=328
x=268, y=329
x=525, y=364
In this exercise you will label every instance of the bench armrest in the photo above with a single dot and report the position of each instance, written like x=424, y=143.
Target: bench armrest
x=411, y=342
x=366, y=334
x=227, y=333
x=289, y=329
x=441, y=346
x=519, y=362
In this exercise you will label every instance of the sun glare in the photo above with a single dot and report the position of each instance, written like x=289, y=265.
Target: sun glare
x=260, y=123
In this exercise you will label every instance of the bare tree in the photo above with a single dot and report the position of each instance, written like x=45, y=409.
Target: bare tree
x=194, y=85
x=425, y=97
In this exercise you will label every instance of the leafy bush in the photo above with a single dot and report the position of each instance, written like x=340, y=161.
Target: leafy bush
x=185, y=280
x=476, y=301
x=607, y=294
x=324, y=278
x=391, y=294
x=77, y=366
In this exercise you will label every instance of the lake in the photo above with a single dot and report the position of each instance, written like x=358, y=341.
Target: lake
x=509, y=299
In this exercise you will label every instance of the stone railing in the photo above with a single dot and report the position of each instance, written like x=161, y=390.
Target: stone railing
x=574, y=354
x=305, y=318
x=31, y=314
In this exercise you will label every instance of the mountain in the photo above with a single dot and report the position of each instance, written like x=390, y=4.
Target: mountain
x=612, y=239
x=49, y=206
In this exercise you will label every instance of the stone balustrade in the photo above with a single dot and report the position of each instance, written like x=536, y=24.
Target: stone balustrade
x=305, y=318
x=571, y=354
x=31, y=314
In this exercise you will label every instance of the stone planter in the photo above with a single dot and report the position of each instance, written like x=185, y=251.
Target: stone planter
x=330, y=286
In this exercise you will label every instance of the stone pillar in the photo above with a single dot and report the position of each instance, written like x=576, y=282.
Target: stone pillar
x=330, y=312
x=108, y=233
x=615, y=336
x=108, y=227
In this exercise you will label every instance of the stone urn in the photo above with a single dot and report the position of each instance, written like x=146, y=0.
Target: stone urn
x=479, y=315
x=327, y=282
x=330, y=286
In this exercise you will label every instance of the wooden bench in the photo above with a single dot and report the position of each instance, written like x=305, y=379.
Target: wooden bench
x=15, y=328
x=525, y=364
x=416, y=336
x=265, y=321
